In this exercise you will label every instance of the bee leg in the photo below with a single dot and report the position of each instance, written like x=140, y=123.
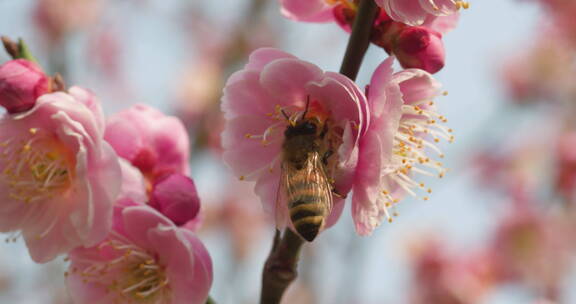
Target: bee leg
x=326, y=155
x=338, y=194
x=276, y=240
x=324, y=129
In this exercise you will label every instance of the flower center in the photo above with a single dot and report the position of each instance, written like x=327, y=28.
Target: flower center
x=418, y=132
x=133, y=274
x=282, y=117
x=36, y=168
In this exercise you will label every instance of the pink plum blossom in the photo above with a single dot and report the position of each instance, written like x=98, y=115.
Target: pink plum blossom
x=153, y=142
x=415, y=12
x=145, y=259
x=399, y=144
x=133, y=187
x=254, y=99
x=56, y=18
x=21, y=83
x=59, y=178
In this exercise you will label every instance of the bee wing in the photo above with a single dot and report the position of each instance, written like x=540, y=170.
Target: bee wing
x=281, y=208
x=313, y=173
x=317, y=172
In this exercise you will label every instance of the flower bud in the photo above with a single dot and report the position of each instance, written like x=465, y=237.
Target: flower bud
x=419, y=47
x=21, y=83
x=344, y=16
x=175, y=196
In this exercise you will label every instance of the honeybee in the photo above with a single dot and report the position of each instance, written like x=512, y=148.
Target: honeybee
x=304, y=183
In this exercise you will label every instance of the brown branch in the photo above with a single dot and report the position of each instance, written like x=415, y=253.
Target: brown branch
x=359, y=39
x=280, y=269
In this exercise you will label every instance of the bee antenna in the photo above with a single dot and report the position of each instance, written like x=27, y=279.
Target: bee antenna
x=285, y=115
x=307, y=105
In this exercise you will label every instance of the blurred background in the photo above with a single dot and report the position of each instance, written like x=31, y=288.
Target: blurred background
x=499, y=228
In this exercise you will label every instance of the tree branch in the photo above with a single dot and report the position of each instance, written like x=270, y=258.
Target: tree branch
x=359, y=39
x=280, y=268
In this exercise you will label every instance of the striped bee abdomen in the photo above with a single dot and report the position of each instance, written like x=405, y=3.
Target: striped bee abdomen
x=307, y=210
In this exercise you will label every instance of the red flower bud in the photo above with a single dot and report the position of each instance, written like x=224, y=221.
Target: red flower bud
x=175, y=196
x=21, y=83
x=419, y=47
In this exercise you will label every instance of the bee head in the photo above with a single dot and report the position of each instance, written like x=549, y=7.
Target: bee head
x=302, y=127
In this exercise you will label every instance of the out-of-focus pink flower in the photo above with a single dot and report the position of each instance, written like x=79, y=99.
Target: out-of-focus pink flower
x=234, y=211
x=145, y=259
x=542, y=71
x=176, y=198
x=105, y=51
x=310, y=10
x=566, y=165
x=55, y=18
x=532, y=248
x=415, y=12
x=199, y=87
x=59, y=178
x=254, y=98
x=399, y=144
x=153, y=142
x=561, y=15
x=21, y=83
x=420, y=48
x=440, y=277
x=516, y=167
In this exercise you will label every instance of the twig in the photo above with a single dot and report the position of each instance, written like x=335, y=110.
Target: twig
x=280, y=268
x=359, y=39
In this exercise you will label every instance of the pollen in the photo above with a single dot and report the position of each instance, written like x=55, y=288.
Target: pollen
x=36, y=168
x=462, y=4
x=132, y=274
x=415, y=152
x=346, y=3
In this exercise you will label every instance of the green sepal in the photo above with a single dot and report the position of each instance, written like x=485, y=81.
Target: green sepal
x=25, y=51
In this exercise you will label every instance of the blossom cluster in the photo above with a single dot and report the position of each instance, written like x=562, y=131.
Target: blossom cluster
x=376, y=142
x=382, y=140
x=411, y=30
x=113, y=194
